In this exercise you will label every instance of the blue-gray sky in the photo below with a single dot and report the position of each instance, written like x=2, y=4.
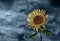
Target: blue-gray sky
x=13, y=14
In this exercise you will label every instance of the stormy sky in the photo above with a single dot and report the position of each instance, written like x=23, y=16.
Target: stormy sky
x=13, y=15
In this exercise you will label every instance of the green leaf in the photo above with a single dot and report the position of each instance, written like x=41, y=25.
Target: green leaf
x=34, y=36
x=48, y=33
x=44, y=30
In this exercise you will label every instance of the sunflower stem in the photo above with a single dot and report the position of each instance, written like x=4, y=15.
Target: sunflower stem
x=40, y=36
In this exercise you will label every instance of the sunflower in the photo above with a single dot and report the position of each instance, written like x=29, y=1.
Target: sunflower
x=37, y=18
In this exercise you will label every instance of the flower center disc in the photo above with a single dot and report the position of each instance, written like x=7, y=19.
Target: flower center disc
x=38, y=20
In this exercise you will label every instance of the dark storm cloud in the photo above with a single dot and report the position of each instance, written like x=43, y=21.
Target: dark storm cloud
x=55, y=3
x=7, y=3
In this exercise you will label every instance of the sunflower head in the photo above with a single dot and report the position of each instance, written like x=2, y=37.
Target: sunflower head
x=37, y=18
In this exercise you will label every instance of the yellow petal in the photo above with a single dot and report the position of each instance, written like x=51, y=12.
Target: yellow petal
x=35, y=11
x=44, y=11
x=30, y=27
x=46, y=16
x=28, y=20
x=30, y=15
x=44, y=26
x=41, y=10
x=36, y=28
x=32, y=24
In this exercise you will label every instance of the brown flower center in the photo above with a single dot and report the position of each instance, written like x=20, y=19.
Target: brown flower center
x=38, y=20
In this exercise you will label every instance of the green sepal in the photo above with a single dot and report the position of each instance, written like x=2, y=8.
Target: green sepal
x=43, y=30
x=34, y=36
x=48, y=33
